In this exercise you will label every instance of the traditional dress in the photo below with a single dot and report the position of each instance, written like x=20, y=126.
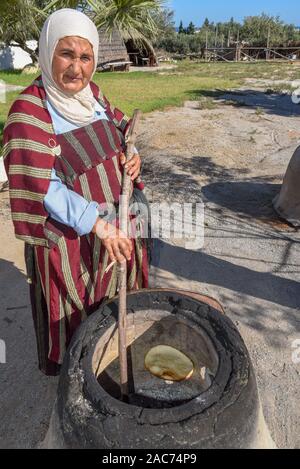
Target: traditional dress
x=66, y=271
x=66, y=268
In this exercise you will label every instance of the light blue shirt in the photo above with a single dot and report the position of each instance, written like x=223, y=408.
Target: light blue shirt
x=70, y=208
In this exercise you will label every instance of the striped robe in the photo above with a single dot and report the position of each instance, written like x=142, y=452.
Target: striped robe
x=67, y=272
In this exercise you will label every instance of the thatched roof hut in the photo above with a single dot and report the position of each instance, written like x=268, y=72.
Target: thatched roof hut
x=111, y=49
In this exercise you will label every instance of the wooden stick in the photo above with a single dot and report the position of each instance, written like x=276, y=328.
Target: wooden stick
x=124, y=218
x=109, y=267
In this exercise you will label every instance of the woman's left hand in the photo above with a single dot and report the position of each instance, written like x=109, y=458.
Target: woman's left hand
x=133, y=167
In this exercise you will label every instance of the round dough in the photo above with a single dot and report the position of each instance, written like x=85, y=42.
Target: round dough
x=168, y=363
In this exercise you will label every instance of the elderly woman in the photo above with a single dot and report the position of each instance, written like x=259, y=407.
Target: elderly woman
x=63, y=150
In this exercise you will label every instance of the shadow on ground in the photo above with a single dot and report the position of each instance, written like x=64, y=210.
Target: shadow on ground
x=27, y=396
x=247, y=198
x=204, y=165
x=205, y=268
x=168, y=183
x=174, y=177
x=270, y=103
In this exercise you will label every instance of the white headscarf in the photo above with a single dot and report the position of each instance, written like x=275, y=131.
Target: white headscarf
x=78, y=108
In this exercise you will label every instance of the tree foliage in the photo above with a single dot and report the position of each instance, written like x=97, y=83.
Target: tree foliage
x=257, y=30
x=145, y=22
x=135, y=19
x=181, y=29
x=20, y=21
x=254, y=31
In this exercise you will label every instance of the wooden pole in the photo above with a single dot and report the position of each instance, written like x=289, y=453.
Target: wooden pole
x=237, y=51
x=124, y=218
x=222, y=40
x=216, y=36
x=268, y=43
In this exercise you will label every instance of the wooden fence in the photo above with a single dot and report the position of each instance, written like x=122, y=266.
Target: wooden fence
x=243, y=53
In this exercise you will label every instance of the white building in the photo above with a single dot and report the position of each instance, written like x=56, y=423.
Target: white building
x=14, y=58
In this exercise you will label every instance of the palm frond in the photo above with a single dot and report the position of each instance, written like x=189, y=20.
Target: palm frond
x=19, y=21
x=134, y=19
x=57, y=4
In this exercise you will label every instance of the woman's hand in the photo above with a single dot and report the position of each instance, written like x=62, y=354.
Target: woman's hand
x=119, y=247
x=133, y=167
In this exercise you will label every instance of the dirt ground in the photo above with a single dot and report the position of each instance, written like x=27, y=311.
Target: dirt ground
x=233, y=157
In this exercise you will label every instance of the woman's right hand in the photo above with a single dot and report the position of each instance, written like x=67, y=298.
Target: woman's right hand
x=119, y=247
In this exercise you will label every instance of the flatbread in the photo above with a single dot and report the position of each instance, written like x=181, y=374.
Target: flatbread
x=168, y=363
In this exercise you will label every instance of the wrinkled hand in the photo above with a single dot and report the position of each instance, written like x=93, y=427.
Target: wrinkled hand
x=133, y=167
x=119, y=247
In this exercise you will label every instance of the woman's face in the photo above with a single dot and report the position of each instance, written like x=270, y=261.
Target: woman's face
x=72, y=64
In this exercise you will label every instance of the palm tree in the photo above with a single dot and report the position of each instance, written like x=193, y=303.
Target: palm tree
x=49, y=6
x=20, y=20
x=134, y=19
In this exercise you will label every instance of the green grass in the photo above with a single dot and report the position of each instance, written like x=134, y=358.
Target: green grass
x=234, y=70
x=146, y=91
x=151, y=91
x=15, y=77
x=159, y=90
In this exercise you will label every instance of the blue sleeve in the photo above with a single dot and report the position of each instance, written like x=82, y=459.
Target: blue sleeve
x=69, y=208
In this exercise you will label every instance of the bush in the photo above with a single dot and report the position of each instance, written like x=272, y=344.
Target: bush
x=181, y=43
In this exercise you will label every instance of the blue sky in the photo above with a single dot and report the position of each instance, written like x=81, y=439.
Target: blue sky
x=217, y=10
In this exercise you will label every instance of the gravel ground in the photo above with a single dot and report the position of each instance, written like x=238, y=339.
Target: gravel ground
x=232, y=157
